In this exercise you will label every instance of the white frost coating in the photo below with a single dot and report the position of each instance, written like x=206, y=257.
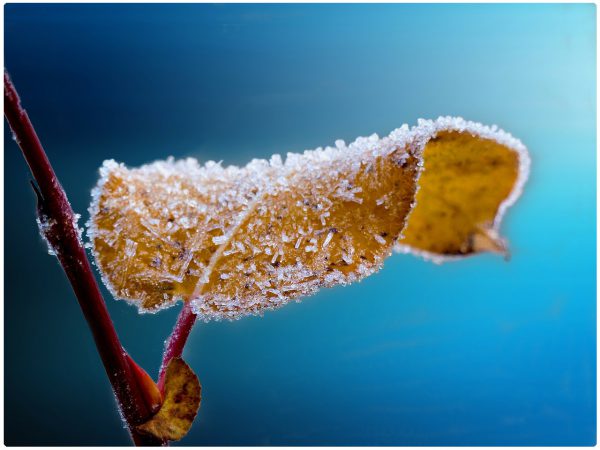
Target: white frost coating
x=219, y=239
x=276, y=174
x=76, y=218
x=44, y=224
x=379, y=239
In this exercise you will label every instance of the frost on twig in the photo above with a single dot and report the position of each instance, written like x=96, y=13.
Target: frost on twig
x=237, y=241
x=58, y=226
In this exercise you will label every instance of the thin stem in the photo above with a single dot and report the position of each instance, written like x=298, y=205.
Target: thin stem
x=176, y=341
x=60, y=228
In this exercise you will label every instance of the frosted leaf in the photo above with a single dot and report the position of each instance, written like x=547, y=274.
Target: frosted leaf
x=239, y=240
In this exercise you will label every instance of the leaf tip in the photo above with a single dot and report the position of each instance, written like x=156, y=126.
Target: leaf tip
x=488, y=240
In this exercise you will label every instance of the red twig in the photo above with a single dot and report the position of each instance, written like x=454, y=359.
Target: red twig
x=60, y=229
x=177, y=339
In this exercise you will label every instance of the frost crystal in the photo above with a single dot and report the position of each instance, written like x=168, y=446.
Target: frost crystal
x=219, y=239
x=379, y=239
x=44, y=225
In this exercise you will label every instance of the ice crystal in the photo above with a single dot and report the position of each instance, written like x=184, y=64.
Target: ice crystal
x=45, y=225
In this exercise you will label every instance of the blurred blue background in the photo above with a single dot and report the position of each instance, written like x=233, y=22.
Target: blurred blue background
x=476, y=352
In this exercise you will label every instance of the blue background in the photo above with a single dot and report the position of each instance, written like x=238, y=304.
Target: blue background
x=476, y=352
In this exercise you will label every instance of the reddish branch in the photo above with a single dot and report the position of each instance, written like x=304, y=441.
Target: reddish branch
x=176, y=342
x=61, y=232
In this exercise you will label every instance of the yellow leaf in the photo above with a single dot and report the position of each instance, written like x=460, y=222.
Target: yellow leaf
x=468, y=181
x=180, y=406
x=237, y=241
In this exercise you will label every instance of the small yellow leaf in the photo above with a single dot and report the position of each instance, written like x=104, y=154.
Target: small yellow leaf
x=180, y=406
x=237, y=241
